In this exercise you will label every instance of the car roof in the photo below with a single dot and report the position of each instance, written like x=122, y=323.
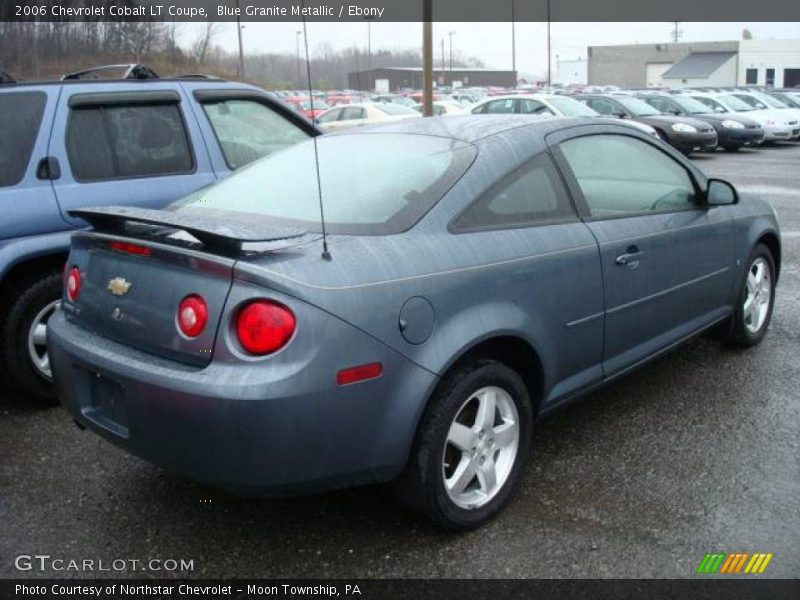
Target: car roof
x=471, y=128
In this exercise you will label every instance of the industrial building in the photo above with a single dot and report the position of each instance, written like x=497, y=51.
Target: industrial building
x=392, y=79
x=771, y=63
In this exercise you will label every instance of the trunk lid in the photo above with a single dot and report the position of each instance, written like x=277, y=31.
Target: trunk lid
x=138, y=266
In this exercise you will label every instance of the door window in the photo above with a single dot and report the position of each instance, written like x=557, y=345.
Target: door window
x=248, y=130
x=500, y=107
x=603, y=106
x=751, y=76
x=20, y=117
x=533, y=107
x=331, y=115
x=619, y=175
x=353, y=113
x=124, y=141
x=533, y=194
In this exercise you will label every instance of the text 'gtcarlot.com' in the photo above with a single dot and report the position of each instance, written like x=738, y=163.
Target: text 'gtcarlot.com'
x=45, y=562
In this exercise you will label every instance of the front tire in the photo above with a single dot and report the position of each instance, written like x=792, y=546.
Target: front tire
x=756, y=299
x=471, y=447
x=23, y=351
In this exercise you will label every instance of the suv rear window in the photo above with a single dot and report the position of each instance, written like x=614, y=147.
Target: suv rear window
x=124, y=141
x=372, y=184
x=20, y=117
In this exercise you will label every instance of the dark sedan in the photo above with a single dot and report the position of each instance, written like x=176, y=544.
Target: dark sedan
x=686, y=134
x=733, y=129
x=479, y=273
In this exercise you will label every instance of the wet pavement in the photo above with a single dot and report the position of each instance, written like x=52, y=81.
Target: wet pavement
x=697, y=452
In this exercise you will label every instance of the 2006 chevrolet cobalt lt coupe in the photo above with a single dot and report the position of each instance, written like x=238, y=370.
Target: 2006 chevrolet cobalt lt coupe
x=480, y=272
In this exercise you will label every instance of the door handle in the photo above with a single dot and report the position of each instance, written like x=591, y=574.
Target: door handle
x=630, y=258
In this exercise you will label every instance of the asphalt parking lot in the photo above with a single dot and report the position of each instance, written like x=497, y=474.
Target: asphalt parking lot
x=698, y=452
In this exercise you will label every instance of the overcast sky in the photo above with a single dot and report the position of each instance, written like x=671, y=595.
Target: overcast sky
x=490, y=42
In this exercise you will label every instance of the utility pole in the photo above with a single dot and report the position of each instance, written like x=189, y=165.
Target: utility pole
x=369, y=44
x=549, y=49
x=427, y=58
x=297, y=40
x=513, y=43
x=241, y=50
x=676, y=33
x=443, y=63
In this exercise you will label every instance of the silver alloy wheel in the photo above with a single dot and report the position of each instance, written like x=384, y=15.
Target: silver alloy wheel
x=37, y=340
x=759, y=289
x=481, y=447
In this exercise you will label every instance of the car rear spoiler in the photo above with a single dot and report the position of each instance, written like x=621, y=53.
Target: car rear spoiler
x=214, y=228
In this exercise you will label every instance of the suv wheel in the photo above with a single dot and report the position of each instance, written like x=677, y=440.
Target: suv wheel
x=471, y=448
x=23, y=342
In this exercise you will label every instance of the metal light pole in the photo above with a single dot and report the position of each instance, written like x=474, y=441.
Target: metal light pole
x=297, y=40
x=549, y=59
x=427, y=59
x=239, y=33
x=451, y=34
x=369, y=43
x=513, y=42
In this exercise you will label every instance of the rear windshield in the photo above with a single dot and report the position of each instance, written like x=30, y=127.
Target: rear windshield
x=20, y=116
x=372, y=184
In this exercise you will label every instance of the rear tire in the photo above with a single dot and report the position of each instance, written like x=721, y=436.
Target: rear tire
x=471, y=447
x=27, y=303
x=756, y=300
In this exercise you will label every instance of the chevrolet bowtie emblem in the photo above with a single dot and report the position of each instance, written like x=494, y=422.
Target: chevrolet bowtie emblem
x=118, y=286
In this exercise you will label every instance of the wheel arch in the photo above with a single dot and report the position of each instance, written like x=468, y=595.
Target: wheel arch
x=771, y=241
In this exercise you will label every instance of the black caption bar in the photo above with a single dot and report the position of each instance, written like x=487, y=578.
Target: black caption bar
x=416, y=589
x=399, y=10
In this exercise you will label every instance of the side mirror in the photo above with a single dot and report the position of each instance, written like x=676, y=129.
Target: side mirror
x=618, y=114
x=721, y=193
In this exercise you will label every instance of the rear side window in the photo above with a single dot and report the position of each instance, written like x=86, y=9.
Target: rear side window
x=20, y=117
x=125, y=141
x=248, y=130
x=531, y=195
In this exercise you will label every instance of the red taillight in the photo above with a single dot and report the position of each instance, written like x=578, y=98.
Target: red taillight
x=264, y=327
x=359, y=373
x=73, y=284
x=130, y=248
x=192, y=315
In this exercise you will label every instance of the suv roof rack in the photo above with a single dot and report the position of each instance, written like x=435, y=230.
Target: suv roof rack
x=6, y=78
x=197, y=76
x=131, y=71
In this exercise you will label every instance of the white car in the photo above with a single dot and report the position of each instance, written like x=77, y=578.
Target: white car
x=546, y=104
x=368, y=113
x=763, y=101
x=776, y=125
x=443, y=108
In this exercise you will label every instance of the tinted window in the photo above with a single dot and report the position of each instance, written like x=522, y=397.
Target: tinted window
x=528, y=106
x=113, y=142
x=500, y=107
x=331, y=115
x=352, y=113
x=371, y=183
x=620, y=175
x=532, y=194
x=248, y=130
x=661, y=104
x=20, y=117
x=603, y=106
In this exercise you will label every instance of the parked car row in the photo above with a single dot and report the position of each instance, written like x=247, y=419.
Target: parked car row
x=399, y=304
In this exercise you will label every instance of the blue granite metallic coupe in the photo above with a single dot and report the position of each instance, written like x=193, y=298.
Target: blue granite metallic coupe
x=478, y=273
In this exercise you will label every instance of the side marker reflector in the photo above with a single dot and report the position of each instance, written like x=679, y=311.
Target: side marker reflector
x=359, y=373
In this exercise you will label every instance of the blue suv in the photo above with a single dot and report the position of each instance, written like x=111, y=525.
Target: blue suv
x=84, y=141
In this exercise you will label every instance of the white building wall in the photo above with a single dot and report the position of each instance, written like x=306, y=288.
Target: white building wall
x=572, y=72
x=767, y=54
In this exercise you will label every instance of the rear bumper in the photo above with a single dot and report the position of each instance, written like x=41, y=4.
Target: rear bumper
x=277, y=429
